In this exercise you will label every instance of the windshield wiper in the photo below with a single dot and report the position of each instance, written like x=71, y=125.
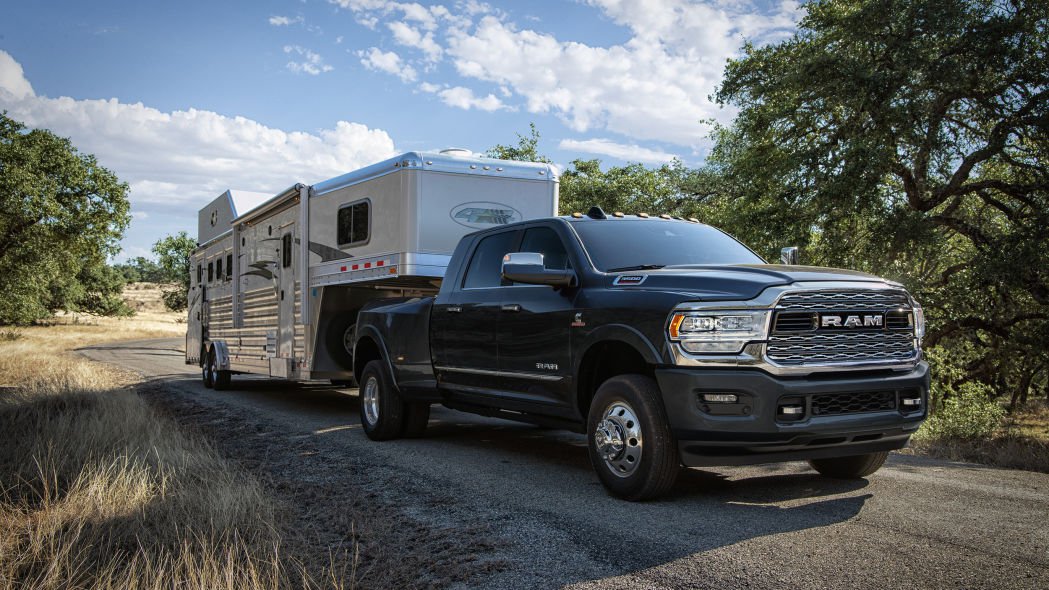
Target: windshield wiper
x=637, y=267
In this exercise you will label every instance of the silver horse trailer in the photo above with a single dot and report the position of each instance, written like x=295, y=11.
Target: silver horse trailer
x=276, y=282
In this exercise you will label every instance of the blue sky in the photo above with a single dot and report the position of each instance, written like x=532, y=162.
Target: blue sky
x=183, y=100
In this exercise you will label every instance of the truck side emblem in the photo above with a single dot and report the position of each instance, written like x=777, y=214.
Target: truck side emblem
x=852, y=321
x=480, y=215
x=629, y=280
x=546, y=366
x=578, y=321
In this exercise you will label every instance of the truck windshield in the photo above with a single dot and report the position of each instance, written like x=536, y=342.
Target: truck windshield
x=638, y=244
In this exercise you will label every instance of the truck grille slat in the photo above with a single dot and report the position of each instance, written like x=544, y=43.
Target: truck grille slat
x=797, y=340
x=833, y=404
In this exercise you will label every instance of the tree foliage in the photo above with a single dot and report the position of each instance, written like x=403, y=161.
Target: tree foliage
x=173, y=253
x=907, y=138
x=141, y=270
x=61, y=216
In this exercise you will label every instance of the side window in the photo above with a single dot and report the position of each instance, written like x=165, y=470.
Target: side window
x=354, y=223
x=545, y=241
x=229, y=266
x=285, y=251
x=218, y=269
x=211, y=271
x=485, y=268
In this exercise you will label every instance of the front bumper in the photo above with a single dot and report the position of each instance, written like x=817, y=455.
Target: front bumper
x=754, y=431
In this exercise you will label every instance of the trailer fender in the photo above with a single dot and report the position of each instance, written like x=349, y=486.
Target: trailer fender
x=360, y=359
x=221, y=352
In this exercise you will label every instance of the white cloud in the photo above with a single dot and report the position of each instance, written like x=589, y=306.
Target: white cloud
x=607, y=147
x=311, y=63
x=389, y=62
x=428, y=87
x=177, y=161
x=463, y=98
x=283, y=21
x=409, y=36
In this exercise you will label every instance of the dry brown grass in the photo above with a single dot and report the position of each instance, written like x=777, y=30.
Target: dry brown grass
x=98, y=491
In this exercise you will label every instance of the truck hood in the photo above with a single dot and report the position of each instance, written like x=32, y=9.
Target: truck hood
x=740, y=282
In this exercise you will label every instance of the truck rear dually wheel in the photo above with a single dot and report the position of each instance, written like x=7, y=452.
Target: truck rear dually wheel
x=853, y=467
x=629, y=439
x=382, y=410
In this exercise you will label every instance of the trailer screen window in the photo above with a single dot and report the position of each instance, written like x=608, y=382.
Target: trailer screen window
x=211, y=271
x=229, y=266
x=200, y=273
x=218, y=268
x=354, y=223
x=285, y=251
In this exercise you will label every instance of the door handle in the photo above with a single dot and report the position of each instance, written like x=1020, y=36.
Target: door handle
x=454, y=309
x=512, y=307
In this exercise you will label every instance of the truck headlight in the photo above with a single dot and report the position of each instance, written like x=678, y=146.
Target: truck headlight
x=919, y=321
x=718, y=332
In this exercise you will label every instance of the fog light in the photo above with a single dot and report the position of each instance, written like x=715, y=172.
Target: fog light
x=792, y=410
x=912, y=402
x=720, y=398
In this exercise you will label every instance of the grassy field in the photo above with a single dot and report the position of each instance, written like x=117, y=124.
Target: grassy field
x=98, y=491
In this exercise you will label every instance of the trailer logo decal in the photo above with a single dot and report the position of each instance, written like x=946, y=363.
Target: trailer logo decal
x=480, y=215
x=327, y=253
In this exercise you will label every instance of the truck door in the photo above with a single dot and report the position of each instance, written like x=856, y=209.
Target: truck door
x=534, y=327
x=465, y=326
x=286, y=295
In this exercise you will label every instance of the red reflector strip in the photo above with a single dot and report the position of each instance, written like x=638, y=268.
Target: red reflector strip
x=343, y=269
x=355, y=266
x=380, y=263
x=367, y=265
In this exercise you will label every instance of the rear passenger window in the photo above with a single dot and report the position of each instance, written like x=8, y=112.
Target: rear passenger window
x=545, y=241
x=486, y=265
x=354, y=221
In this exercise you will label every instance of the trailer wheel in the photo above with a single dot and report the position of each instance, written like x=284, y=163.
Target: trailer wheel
x=382, y=411
x=207, y=372
x=629, y=439
x=219, y=379
x=853, y=467
x=416, y=417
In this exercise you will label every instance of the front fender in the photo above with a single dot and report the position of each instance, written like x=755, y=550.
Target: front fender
x=621, y=333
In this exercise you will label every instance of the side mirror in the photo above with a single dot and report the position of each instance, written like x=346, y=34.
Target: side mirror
x=788, y=255
x=527, y=267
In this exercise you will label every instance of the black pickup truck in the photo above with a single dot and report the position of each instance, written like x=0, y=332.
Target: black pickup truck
x=666, y=341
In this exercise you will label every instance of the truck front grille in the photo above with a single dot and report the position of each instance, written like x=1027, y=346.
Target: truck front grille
x=798, y=339
x=832, y=404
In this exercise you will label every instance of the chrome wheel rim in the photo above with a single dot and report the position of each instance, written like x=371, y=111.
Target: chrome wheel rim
x=618, y=440
x=370, y=400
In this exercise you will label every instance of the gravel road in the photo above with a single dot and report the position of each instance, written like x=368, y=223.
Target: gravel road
x=502, y=505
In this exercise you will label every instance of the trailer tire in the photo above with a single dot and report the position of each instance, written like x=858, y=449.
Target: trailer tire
x=629, y=439
x=853, y=467
x=416, y=417
x=339, y=341
x=220, y=380
x=207, y=375
x=382, y=410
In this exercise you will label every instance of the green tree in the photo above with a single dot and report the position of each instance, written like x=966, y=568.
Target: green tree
x=173, y=254
x=526, y=150
x=142, y=270
x=61, y=216
x=908, y=138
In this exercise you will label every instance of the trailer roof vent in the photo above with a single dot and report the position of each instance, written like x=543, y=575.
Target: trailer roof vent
x=454, y=151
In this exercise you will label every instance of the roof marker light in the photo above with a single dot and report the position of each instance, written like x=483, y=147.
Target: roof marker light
x=618, y=214
x=693, y=220
x=664, y=216
x=577, y=215
x=643, y=215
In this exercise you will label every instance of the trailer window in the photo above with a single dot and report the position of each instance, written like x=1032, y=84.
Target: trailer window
x=200, y=273
x=285, y=251
x=487, y=262
x=211, y=271
x=229, y=266
x=218, y=269
x=354, y=223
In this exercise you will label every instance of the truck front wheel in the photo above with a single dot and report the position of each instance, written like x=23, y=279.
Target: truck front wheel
x=853, y=467
x=629, y=439
x=382, y=410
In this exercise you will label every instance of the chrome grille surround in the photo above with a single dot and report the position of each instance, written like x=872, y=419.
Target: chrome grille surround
x=819, y=347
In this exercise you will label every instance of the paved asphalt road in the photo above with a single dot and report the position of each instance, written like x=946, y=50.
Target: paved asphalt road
x=917, y=523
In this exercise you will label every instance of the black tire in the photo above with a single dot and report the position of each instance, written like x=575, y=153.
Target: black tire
x=388, y=420
x=645, y=463
x=207, y=374
x=854, y=467
x=416, y=417
x=335, y=339
x=220, y=380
